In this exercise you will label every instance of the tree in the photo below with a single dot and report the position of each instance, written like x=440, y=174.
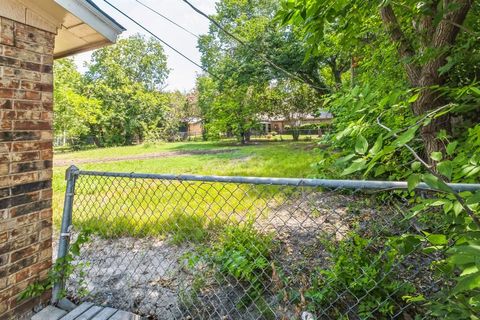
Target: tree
x=131, y=60
x=425, y=34
x=126, y=78
x=74, y=112
x=245, y=71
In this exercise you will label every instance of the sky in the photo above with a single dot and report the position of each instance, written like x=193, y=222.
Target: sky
x=183, y=73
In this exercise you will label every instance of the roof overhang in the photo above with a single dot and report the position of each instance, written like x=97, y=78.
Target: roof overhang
x=85, y=27
x=80, y=25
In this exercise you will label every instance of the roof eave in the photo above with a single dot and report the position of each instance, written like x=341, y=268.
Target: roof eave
x=92, y=15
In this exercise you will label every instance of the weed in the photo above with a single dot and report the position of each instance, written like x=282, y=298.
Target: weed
x=62, y=269
x=358, y=271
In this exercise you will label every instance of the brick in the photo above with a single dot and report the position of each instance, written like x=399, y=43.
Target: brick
x=25, y=56
x=5, y=104
x=28, y=219
x=24, y=253
x=26, y=113
x=18, y=200
x=6, y=32
x=22, y=230
x=21, y=74
x=7, y=115
x=25, y=156
x=46, y=254
x=28, y=105
x=24, y=178
x=21, y=44
x=9, y=83
x=46, y=194
x=30, y=187
x=29, y=208
x=47, y=97
x=5, y=147
x=18, y=243
x=3, y=259
x=9, y=62
x=22, y=275
x=5, y=181
x=7, y=93
x=32, y=125
x=45, y=233
x=46, y=214
x=21, y=146
x=30, y=166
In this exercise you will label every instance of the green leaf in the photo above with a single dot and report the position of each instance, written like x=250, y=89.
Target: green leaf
x=475, y=90
x=445, y=168
x=436, y=155
x=410, y=299
x=437, y=239
x=361, y=146
x=467, y=282
x=416, y=165
x=435, y=183
x=377, y=145
x=413, y=181
x=451, y=147
x=474, y=199
x=357, y=165
x=406, y=137
x=413, y=98
x=345, y=159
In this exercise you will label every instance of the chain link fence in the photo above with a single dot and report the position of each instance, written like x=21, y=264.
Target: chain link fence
x=204, y=247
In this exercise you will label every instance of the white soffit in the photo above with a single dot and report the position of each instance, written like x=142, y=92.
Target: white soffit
x=84, y=27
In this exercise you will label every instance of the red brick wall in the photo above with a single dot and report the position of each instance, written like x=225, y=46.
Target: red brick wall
x=26, y=58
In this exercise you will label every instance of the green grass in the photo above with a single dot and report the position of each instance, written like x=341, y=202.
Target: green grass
x=187, y=211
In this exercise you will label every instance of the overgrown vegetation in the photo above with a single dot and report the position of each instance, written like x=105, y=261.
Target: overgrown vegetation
x=61, y=270
x=401, y=80
x=364, y=275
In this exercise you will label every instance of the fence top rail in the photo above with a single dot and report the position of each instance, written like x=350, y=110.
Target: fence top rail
x=326, y=183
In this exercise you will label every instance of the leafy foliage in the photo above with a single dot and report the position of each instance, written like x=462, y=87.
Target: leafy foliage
x=362, y=271
x=62, y=269
x=119, y=100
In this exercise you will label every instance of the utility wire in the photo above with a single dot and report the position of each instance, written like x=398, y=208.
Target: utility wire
x=168, y=19
x=260, y=54
x=159, y=39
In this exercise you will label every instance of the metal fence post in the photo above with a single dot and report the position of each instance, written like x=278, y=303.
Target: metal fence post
x=64, y=240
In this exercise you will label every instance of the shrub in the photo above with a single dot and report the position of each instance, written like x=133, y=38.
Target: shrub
x=358, y=271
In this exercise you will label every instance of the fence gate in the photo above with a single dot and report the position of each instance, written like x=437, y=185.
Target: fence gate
x=207, y=247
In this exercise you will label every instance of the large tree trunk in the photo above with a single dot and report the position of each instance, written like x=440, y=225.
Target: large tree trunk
x=426, y=76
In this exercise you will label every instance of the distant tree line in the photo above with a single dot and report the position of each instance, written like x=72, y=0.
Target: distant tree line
x=120, y=98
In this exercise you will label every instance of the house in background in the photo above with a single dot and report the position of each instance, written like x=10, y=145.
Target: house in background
x=191, y=127
x=32, y=34
x=281, y=123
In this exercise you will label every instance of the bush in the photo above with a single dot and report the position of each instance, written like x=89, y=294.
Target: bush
x=358, y=271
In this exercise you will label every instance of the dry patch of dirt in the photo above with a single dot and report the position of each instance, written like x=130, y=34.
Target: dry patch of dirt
x=166, y=154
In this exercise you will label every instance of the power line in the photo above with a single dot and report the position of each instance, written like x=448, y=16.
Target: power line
x=241, y=42
x=159, y=39
x=168, y=19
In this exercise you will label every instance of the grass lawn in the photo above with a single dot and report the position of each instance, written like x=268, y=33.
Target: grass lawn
x=275, y=159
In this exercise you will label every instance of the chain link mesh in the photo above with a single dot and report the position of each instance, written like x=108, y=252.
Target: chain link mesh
x=176, y=249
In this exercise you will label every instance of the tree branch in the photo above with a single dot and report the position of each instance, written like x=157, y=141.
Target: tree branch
x=405, y=48
x=457, y=196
